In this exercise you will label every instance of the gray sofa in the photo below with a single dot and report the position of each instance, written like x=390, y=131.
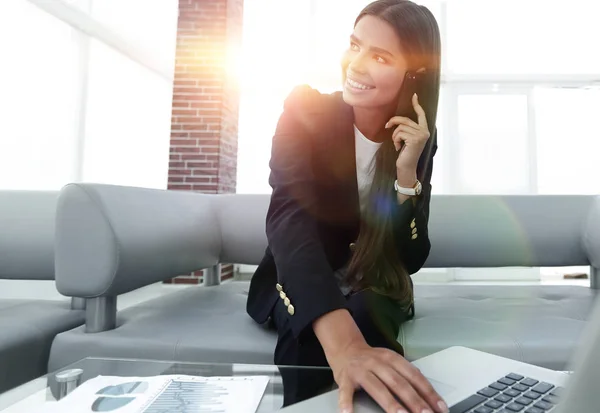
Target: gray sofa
x=111, y=240
x=28, y=326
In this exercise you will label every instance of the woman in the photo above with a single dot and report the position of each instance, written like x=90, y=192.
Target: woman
x=347, y=221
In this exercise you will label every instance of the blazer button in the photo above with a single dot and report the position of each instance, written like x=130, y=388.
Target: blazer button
x=279, y=287
x=286, y=301
x=352, y=246
x=413, y=223
x=414, y=230
x=282, y=295
x=414, y=236
x=290, y=309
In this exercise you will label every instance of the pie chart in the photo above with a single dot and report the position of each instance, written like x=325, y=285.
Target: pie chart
x=114, y=397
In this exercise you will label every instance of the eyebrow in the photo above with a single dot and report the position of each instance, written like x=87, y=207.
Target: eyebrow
x=372, y=48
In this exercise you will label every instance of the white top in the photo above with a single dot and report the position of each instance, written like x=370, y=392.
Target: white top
x=365, y=164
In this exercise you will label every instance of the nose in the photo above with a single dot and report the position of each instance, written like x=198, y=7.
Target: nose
x=357, y=63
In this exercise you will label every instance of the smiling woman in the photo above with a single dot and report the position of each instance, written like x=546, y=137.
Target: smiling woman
x=348, y=217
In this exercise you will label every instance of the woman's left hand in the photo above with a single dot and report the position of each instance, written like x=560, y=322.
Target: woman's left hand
x=409, y=137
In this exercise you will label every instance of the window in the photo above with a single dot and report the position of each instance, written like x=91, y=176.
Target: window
x=79, y=108
x=522, y=37
x=504, y=75
x=568, y=140
x=127, y=124
x=492, y=137
x=38, y=99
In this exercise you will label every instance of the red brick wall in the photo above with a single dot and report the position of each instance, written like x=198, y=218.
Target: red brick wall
x=204, y=124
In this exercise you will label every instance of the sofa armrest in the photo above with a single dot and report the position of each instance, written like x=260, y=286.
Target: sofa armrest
x=114, y=239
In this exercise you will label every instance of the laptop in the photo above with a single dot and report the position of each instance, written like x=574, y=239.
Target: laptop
x=471, y=381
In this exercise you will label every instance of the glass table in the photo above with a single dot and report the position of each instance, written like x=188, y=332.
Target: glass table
x=30, y=396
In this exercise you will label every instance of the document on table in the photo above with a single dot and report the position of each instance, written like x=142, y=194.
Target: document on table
x=162, y=394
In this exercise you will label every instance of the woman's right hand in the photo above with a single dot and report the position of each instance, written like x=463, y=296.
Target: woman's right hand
x=387, y=377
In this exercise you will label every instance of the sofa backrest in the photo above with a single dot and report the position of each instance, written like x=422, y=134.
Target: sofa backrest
x=242, y=220
x=517, y=230
x=112, y=239
x=27, y=222
x=465, y=230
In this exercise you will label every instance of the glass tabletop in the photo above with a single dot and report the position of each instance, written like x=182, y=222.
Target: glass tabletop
x=31, y=396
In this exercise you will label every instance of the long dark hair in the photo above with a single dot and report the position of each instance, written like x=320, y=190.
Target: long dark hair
x=376, y=262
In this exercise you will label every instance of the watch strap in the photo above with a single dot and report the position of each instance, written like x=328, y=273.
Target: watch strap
x=407, y=191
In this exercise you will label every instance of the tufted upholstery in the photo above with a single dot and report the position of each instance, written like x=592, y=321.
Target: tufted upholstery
x=536, y=324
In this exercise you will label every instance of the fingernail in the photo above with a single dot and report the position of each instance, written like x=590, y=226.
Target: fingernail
x=426, y=411
x=401, y=411
x=443, y=407
x=387, y=125
x=346, y=411
x=415, y=95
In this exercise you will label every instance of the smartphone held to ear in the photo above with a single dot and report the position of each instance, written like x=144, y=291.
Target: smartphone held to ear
x=410, y=86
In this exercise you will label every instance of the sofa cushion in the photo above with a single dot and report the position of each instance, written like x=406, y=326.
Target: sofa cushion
x=535, y=324
x=27, y=328
x=540, y=325
x=194, y=325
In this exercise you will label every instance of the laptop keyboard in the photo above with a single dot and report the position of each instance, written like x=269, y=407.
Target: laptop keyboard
x=511, y=394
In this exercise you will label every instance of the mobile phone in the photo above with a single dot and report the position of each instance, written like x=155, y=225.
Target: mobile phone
x=411, y=85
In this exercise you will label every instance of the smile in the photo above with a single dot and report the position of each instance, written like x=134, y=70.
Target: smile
x=354, y=84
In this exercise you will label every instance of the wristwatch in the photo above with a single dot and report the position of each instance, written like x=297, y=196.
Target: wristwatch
x=414, y=191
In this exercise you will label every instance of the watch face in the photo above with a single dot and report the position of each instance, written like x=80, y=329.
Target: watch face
x=418, y=188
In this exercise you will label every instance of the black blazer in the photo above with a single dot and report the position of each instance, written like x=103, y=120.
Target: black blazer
x=314, y=213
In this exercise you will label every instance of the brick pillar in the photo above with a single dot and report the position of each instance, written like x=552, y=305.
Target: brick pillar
x=204, y=123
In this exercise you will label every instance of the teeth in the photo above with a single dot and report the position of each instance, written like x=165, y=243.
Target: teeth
x=358, y=85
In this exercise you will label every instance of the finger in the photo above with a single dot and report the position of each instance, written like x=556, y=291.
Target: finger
x=346, y=393
x=398, y=120
x=422, y=117
x=402, y=388
x=400, y=139
x=417, y=381
x=426, y=390
x=380, y=393
x=406, y=129
x=408, y=135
